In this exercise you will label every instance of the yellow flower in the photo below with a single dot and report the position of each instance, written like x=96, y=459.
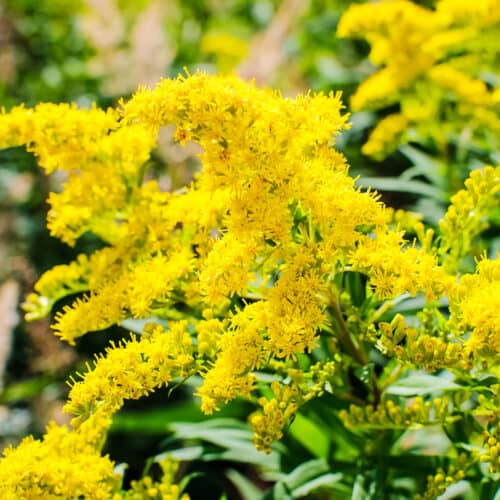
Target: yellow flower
x=432, y=62
x=63, y=465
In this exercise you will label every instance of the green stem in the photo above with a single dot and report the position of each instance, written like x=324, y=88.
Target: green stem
x=353, y=349
x=343, y=333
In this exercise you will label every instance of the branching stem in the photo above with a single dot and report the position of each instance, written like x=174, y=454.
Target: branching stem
x=349, y=345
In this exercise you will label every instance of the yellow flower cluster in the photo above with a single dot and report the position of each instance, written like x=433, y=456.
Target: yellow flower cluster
x=389, y=415
x=467, y=215
x=65, y=464
x=147, y=488
x=488, y=410
x=68, y=463
x=492, y=448
x=410, y=269
x=474, y=307
x=418, y=348
x=388, y=132
x=433, y=63
x=246, y=264
x=132, y=370
x=268, y=423
x=439, y=482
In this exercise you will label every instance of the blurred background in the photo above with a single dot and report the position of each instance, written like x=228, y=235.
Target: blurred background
x=96, y=51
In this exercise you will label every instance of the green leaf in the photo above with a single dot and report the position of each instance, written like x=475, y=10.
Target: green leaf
x=280, y=492
x=490, y=489
x=432, y=210
x=310, y=435
x=156, y=420
x=325, y=410
x=246, y=489
x=405, y=304
x=487, y=380
x=425, y=165
x=233, y=436
x=324, y=481
x=420, y=383
x=457, y=490
x=430, y=440
x=305, y=479
x=355, y=284
x=459, y=431
x=184, y=454
x=305, y=472
x=358, y=491
x=403, y=186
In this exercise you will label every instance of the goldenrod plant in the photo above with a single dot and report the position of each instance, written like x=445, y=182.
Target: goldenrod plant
x=273, y=279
